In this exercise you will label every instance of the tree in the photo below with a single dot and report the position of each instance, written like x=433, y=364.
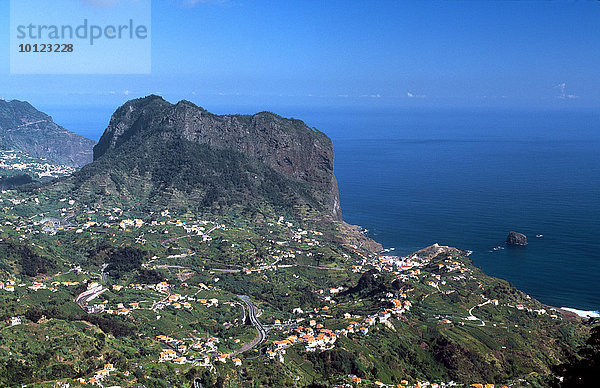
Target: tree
x=585, y=371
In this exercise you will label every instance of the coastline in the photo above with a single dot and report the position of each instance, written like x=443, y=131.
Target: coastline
x=585, y=314
x=568, y=312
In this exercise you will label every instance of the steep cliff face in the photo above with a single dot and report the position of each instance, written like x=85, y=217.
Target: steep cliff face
x=288, y=146
x=24, y=128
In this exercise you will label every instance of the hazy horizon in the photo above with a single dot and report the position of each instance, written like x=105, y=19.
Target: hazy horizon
x=377, y=54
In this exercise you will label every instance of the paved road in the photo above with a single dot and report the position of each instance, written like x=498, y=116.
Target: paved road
x=473, y=317
x=226, y=270
x=164, y=266
x=86, y=296
x=104, y=274
x=164, y=242
x=60, y=273
x=161, y=303
x=322, y=267
x=266, y=267
x=262, y=331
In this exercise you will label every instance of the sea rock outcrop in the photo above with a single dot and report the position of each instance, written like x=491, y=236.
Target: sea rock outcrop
x=516, y=238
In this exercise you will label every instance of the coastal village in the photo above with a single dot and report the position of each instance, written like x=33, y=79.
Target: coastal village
x=434, y=272
x=314, y=330
x=186, y=187
x=14, y=162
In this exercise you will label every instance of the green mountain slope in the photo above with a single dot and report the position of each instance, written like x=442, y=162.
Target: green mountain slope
x=288, y=146
x=202, y=248
x=158, y=155
x=178, y=174
x=24, y=128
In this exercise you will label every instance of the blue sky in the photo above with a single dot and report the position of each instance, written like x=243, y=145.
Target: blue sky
x=348, y=53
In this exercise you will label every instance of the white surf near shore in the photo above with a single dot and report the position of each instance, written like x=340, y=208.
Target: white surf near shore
x=583, y=313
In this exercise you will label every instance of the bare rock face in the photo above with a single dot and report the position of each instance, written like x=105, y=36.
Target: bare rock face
x=515, y=238
x=287, y=145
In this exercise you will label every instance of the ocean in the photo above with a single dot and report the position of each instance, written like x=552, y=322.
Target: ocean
x=464, y=178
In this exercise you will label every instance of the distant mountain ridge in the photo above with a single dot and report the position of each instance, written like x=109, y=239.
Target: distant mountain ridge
x=155, y=154
x=24, y=128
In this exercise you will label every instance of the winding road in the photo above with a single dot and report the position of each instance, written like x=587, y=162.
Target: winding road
x=88, y=295
x=262, y=331
x=472, y=317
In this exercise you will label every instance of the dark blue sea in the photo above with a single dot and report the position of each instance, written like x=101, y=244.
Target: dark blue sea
x=465, y=178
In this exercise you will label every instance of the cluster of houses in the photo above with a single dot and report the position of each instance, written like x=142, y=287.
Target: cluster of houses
x=333, y=290
x=522, y=307
x=127, y=223
x=114, y=219
x=8, y=285
x=302, y=236
x=41, y=286
x=206, y=346
x=14, y=321
x=174, y=300
x=189, y=229
x=225, y=356
x=100, y=375
x=88, y=224
x=316, y=337
x=356, y=381
x=398, y=308
x=179, y=301
x=121, y=309
x=169, y=354
x=20, y=161
x=405, y=268
x=177, y=350
x=36, y=286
